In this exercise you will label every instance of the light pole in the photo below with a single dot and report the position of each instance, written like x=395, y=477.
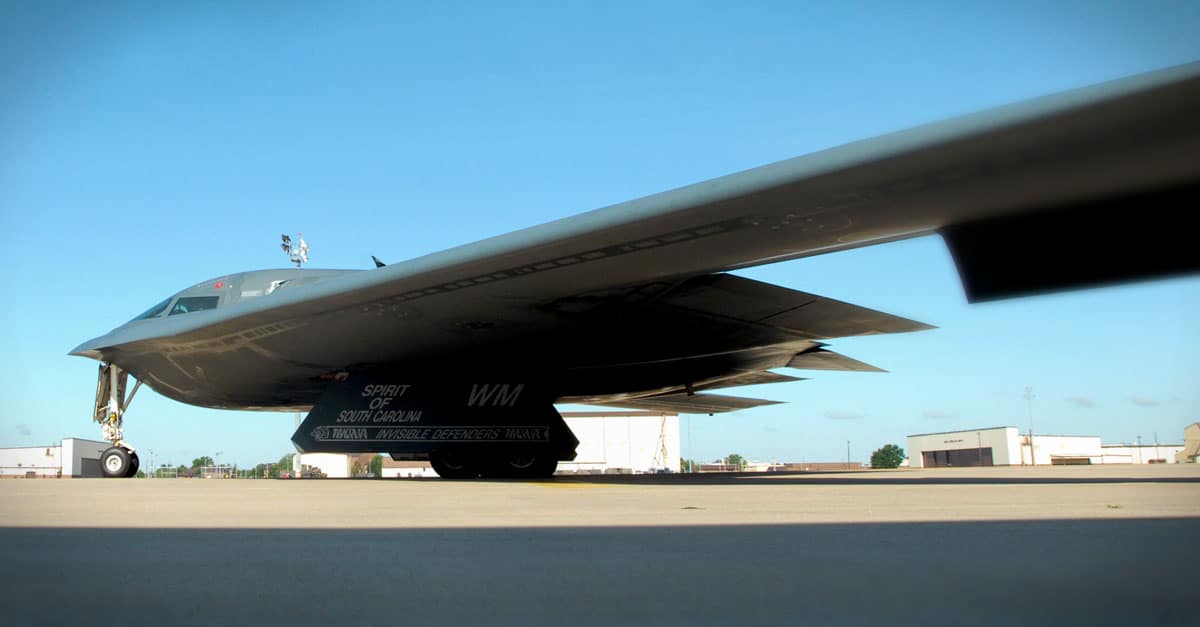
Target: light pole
x=1029, y=396
x=691, y=455
x=1139, y=449
x=847, y=454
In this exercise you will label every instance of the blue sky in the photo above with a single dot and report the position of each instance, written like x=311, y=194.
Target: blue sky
x=144, y=148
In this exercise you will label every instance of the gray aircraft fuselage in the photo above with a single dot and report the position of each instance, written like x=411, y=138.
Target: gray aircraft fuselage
x=617, y=344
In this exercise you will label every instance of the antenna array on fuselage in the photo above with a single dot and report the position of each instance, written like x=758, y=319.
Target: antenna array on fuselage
x=298, y=254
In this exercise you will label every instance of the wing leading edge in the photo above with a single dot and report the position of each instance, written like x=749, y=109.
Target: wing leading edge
x=1089, y=145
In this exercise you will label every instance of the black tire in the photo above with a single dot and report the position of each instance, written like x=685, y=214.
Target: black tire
x=453, y=465
x=134, y=464
x=115, y=462
x=523, y=465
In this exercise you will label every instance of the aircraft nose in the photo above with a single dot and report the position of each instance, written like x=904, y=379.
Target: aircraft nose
x=90, y=348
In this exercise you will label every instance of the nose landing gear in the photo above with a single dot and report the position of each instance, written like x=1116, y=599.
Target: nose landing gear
x=120, y=459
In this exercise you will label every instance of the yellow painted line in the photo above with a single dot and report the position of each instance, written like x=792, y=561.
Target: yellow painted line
x=564, y=485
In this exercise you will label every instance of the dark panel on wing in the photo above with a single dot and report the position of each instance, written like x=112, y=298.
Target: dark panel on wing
x=818, y=317
x=693, y=404
x=735, y=297
x=818, y=358
x=1107, y=240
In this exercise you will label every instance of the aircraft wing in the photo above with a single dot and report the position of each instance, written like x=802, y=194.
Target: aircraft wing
x=693, y=404
x=1077, y=188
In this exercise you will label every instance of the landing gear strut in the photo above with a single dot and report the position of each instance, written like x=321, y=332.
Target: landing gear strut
x=119, y=460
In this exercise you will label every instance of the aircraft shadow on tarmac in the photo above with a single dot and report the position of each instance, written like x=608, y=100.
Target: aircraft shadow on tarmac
x=1052, y=572
x=842, y=478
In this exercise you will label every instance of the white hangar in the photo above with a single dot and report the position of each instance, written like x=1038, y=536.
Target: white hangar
x=1006, y=446
x=623, y=442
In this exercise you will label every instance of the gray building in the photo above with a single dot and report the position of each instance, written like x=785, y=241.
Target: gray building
x=73, y=457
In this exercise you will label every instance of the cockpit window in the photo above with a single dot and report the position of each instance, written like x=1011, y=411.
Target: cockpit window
x=153, y=311
x=188, y=304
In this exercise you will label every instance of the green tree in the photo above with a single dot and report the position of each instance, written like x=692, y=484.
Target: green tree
x=887, y=456
x=284, y=465
x=685, y=465
x=203, y=460
x=735, y=460
x=376, y=466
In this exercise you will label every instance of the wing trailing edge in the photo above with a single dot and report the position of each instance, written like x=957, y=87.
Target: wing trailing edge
x=758, y=377
x=818, y=358
x=816, y=317
x=683, y=403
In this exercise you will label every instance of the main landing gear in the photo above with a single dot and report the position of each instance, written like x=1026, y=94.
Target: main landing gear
x=514, y=464
x=118, y=460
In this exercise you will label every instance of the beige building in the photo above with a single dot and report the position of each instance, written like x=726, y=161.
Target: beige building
x=1191, y=445
x=393, y=469
x=994, y=446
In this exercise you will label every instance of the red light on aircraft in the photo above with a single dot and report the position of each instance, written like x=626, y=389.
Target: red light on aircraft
x=219, y=284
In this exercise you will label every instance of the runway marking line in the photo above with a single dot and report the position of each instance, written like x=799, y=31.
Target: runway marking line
x=567, y=486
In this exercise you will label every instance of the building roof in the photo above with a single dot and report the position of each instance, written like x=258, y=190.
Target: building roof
x=616, y=414
x=1160, y=444
x=921, y=435
x=1035, y=435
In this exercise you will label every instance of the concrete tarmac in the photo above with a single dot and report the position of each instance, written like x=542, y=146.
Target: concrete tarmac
x=1063, y=545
